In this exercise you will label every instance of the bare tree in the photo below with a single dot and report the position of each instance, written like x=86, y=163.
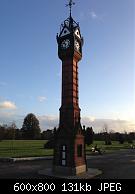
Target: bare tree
x=106, y=135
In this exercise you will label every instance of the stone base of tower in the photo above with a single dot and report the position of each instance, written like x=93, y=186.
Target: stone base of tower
x=69, y=171
x=89, y=174
x=69, y=154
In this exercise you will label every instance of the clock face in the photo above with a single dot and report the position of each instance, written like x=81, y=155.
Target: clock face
x=65, y=44
x=77, y=45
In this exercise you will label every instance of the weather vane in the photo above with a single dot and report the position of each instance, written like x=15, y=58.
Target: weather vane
x=70, y=4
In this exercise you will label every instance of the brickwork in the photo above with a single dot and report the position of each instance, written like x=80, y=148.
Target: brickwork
x=72, y=159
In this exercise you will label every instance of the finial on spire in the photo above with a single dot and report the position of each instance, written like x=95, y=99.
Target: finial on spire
x=70, y=4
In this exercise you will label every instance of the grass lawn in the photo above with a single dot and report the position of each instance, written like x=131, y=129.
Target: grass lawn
x=25, y=148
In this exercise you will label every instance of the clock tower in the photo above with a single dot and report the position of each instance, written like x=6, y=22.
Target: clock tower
x=69, y=151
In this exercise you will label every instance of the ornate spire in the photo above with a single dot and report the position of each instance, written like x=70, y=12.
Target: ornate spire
x=70, y=4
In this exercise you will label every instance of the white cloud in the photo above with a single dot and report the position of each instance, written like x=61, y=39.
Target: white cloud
x=41, y=98
x=90, y=118
x=97, y=124
x=116, y=125
x=50, y=121
x=90, y=14
x=7, y=105
x=47, y=121
x=11, y=116
x=93, y=15
x=7, y=115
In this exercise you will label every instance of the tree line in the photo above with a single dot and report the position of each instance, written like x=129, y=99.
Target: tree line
x=108, y=136
x=31, y=130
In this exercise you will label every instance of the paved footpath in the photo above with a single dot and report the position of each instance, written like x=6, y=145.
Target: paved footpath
x=120, y=164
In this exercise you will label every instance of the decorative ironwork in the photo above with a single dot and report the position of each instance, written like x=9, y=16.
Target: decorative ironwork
x=70, y=4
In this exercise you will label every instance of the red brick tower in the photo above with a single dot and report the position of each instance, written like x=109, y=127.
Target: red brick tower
x=69, y=151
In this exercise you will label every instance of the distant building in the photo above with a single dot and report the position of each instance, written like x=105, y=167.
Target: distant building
x=48, y=134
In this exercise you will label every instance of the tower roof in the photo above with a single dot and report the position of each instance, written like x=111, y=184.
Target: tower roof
x=69, y=26
x=69, y=23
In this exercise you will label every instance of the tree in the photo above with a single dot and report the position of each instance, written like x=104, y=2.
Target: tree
x=48, y=134
x=12, y=129
x=51, y=143
x=2, y=132
x=121, y=138
x=107, y=136
x=89, y=134
x=31, y=128
x=130, y=138
x=18, y=134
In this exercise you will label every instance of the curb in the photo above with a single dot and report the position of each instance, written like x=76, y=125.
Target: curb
x=25, y=159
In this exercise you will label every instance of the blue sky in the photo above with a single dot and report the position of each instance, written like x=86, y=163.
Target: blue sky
x=30, y=71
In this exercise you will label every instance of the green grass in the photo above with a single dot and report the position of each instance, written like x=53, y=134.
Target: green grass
x=35, y=148
x=107, y=148
x=23, y=148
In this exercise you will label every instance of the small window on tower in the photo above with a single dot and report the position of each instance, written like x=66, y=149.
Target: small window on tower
x=63, y=155
x=63, y=162
x=63, y=148
x=79, y=150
